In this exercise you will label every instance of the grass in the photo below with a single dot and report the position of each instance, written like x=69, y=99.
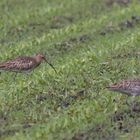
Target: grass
x=91, y=44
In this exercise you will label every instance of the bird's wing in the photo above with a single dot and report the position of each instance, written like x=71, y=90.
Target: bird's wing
x=21, y=63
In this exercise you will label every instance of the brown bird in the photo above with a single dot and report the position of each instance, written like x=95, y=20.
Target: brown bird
x=128, y=87
x=24, y=64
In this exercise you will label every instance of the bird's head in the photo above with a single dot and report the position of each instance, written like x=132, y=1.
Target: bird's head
x=40, y=58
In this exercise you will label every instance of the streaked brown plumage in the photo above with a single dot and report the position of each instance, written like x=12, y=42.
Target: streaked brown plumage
x=128, y=87
x=24, y=64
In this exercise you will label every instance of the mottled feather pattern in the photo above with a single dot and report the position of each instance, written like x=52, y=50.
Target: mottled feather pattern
x=24, y=64
x=127, y=84
x=129, y=87
x=19, y=64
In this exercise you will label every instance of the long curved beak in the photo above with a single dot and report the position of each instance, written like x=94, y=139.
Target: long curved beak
x=50, y=65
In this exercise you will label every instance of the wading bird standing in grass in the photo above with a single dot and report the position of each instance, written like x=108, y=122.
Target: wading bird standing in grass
x=24, y=64
x=128, y=87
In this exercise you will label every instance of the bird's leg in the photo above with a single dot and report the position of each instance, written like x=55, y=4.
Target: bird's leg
x=15, y=76
x=28, y=82
x=133, y=102
x=127, y=102
x=0, y=73
x=27, y=73
x=26, y=76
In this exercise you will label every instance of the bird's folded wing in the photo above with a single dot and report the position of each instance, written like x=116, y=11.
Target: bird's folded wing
x=18, y=64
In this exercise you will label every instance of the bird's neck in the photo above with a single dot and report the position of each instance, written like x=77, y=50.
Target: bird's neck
x=38, y=62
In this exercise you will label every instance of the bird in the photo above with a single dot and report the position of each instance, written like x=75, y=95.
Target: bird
x=24, y=64
x=128, y=87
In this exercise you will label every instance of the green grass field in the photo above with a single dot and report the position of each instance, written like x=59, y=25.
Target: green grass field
x=92, y=44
